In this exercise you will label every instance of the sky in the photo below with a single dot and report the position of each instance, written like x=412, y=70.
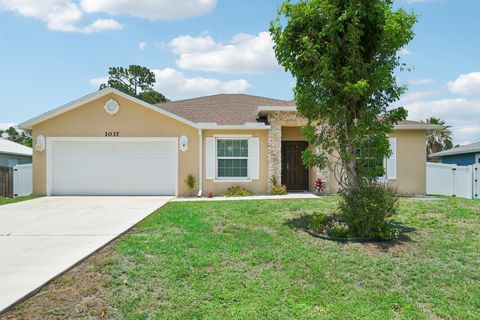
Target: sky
x=56, y=51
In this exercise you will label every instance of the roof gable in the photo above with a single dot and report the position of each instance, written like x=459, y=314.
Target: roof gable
x=10, y=147
x=93, y=96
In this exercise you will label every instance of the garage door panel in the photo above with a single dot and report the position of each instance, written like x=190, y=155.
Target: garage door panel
x=114, y=167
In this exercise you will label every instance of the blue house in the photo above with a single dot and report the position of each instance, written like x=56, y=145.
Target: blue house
x=12, y=153
x=462, y=155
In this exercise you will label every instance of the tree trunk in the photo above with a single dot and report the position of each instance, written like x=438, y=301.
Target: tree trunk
x=351, y=164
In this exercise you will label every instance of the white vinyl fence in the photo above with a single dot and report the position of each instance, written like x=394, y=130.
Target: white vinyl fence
x=453, y=180
x=22, y=180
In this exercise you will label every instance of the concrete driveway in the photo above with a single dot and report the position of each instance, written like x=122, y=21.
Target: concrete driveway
x=43, y=237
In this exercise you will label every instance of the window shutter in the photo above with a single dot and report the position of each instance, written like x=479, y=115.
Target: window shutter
x=392, y=160
x=210, y=158
x=253, y=158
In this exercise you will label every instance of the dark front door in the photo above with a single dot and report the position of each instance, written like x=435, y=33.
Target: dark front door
x=294, y=174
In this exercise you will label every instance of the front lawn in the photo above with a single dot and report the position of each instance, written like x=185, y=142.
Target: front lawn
x=13, y=200
x=251, y=260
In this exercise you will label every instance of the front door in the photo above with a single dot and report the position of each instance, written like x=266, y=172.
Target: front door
x=294, y=174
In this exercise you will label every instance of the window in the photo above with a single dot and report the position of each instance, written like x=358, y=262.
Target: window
x=232, y=158
x=368, y=163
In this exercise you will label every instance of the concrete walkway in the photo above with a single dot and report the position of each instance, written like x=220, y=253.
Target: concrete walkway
x=42, y=238
x=299, y=195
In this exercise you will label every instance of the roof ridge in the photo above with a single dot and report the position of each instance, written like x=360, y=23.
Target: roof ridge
x=221, y=94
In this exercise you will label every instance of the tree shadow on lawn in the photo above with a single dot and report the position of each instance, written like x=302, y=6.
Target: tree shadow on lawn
x=301, y=222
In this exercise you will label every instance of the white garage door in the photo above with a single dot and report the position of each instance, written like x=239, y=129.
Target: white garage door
x=112, y=167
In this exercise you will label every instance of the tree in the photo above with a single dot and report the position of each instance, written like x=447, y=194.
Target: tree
x=136, y=81
x=18, y=136
x=438, y=139
x=344, y=55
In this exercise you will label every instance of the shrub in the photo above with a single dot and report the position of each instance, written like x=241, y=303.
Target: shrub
x=274, y=180
x=237, y=191
x=190, y=182
x=279, y=189
x=388, y=232
x=368, y=208
x=210, y=194
x=337, y=229
x=318, y=222
x=319, y=185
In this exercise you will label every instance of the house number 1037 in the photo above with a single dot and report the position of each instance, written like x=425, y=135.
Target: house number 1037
x=112, y=133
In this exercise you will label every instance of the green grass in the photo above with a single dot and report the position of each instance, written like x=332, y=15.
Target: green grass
x=13, y=200
x=250, y=260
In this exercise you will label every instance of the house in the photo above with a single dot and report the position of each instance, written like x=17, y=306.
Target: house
x=462, y=155
x=12, y=153
x=109, y=143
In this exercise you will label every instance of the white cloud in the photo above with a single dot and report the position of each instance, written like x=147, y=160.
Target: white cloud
x=67, y=15
x=102, y=24
x=420, y=81
x=174, y=85
x=4, y=126
x=244, y=54
x=415, y=96
x=96, y=82
x=457, y=113
x=189, y=44
x=468, y=84
x=166, y=10
x=142, y=45
x=60, y=15
x=405, y=52
x=448, y=109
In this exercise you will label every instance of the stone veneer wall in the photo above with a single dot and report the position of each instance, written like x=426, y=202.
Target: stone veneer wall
x=277, y=120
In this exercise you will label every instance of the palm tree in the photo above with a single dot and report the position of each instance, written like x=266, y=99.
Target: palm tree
x=438, y=139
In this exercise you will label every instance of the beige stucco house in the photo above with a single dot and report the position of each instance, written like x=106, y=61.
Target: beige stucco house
x=109, y=143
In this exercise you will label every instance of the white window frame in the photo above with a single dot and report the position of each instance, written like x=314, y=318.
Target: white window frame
x=232, y=179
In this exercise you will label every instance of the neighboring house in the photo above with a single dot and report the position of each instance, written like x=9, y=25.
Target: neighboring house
x=462, y=155
x=109, y=143
x=12, y=153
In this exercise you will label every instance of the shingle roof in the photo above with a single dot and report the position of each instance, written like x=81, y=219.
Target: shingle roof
x=10, y=147
x=468, y=148
x=238, y=109
x=223, y=109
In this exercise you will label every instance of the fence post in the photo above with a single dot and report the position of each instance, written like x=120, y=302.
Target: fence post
x=454, y=170
x=475, y=181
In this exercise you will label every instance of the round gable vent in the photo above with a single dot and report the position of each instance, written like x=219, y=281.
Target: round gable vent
x=111, y=106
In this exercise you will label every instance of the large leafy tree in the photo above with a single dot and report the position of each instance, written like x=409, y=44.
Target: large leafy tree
x=439, y=139
x=19, y=136
x=344, y=55
x=136, y=81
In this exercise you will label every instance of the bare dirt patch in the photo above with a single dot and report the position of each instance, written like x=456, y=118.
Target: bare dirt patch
x=81, y=293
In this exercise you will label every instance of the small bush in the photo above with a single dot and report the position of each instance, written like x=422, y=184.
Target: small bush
x=318, y=222
x=238, y=191
x=388, y=232
x=210, y=194
x=190, y=182
x=279, y=189
x=337, y=229
x=274, y=180
x=368, y=208
x=319, y=185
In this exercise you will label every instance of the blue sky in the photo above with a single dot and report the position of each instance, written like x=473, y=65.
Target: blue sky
x=54, y=51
